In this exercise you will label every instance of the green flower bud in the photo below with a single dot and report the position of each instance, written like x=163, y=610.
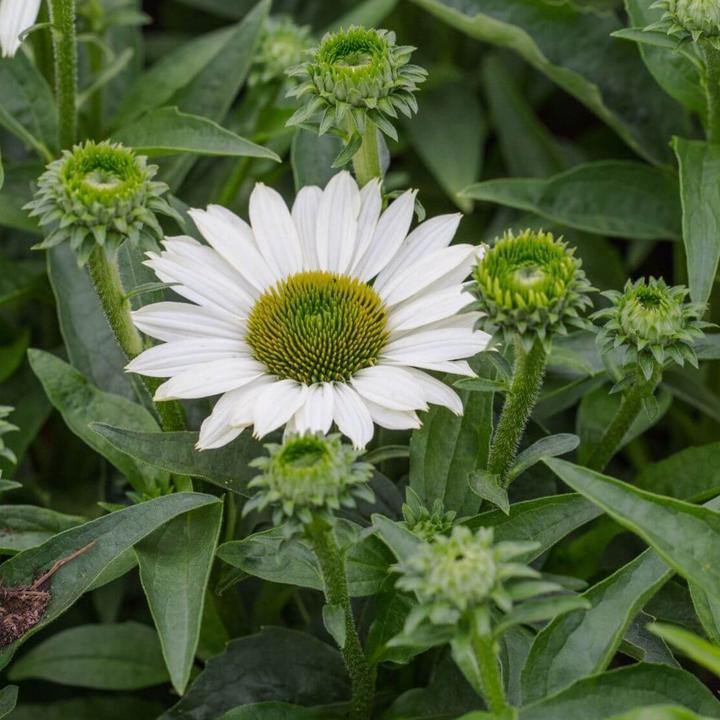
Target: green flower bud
x=423, y=522
x=99, y=194
x=306, y=477
x=690, y=20
x=530, y=286
x=6, y=427
x=282, y=46
x=652, y=324
x=462, y=572
x=356, y=76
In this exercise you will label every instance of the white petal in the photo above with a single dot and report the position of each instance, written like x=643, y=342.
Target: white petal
x=437, y=392
x=181, y=356
x=337, y=223
x=393, y=419
x=426, y=309
x=275, y=231
x=276, y=404
x=431, y=235
x=390, y=232
x=436, y=345
x=232, y=237
x=216, y=429
x=352, y=416
x=203, y=276
x=210, y=379
x=317, y=412
x=454, y=367
x=391, y=387
x=184, y=321
x=16, y=16
x=244, y=413
x=305, y=214
x=459, y=274
x=370, y=207
x=413, y=278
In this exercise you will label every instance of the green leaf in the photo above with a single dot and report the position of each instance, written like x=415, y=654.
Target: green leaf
x=18, y=280
x=276, y=711
x=126, y=656
x=81, y=404
x=528, y=148
x=545, y=520
x=276, y=664
x=487, y=487
x=26, y=526
x=447, y=448
x=450, y=117
x=397, y=537
x=611, y=693
x=539, y=610
x=696, y=648
x=90, y=343
x=167, y=131
x=550, y=446
x=700, y=194
x=660, y=712
x=112, y=535
x=334, y=622
x=175, y=563
x=583, y=643
x=617, y=198
x=368, y=13
x=270, y=556
x=228, y=466
x=670, y=65
x=546, y=35
x=27, y=106
x=112, y=707
x=8, y=699
x=686, y=537
x=312, y=157
x=693, y=474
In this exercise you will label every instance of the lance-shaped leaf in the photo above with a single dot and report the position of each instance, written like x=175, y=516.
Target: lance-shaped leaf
x=8, y=699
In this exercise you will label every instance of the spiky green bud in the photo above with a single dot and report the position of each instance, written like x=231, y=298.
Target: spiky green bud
x=99, y=194
x=423, y=522
x=452, y=575
x=353, y=77
x=6, y=427
x=652, y=323
x=696, y=20
x=282, y=46
x=530, y=287
x=307, y=477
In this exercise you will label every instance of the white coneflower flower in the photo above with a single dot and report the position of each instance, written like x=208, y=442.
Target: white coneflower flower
x=16, y=16
x=287, y=327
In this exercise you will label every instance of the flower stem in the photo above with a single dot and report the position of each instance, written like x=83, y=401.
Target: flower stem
x=489, y=670
x=711, y=81
x=629, y=409
x=62, y=17
x=108, y=285
x=366, y=160
x=525, y=387
x=332, y=566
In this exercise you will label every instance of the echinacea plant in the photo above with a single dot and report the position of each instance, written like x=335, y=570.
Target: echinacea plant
x=282, y=46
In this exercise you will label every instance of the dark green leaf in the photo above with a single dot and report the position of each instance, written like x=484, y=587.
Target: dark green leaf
x=103, y=657
x=112, y=707
x=550, y=446
x=26, y=526
x=696, y=648
x=487, y=487
x=312, y=157
x=8, y=699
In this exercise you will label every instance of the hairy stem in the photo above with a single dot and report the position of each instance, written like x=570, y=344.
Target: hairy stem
x=525, y=387
x=366, y=160
x=332, y=566
x=108, y=285
x=490, y=675
x=62, y=17
x=711, y=82
x=629, y=409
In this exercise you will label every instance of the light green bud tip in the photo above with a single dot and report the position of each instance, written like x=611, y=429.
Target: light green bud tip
x=307, y=476
x=652, y=323
x=690, y=20
x=356, y=76
x=423, y=522
x=530, y=286
x=6, y=427
x=282, y=45
x=453, y=574
x=99, y=194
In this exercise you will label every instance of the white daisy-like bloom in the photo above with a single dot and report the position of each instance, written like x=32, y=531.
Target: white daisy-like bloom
x=327, y=313
x=16, y=16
